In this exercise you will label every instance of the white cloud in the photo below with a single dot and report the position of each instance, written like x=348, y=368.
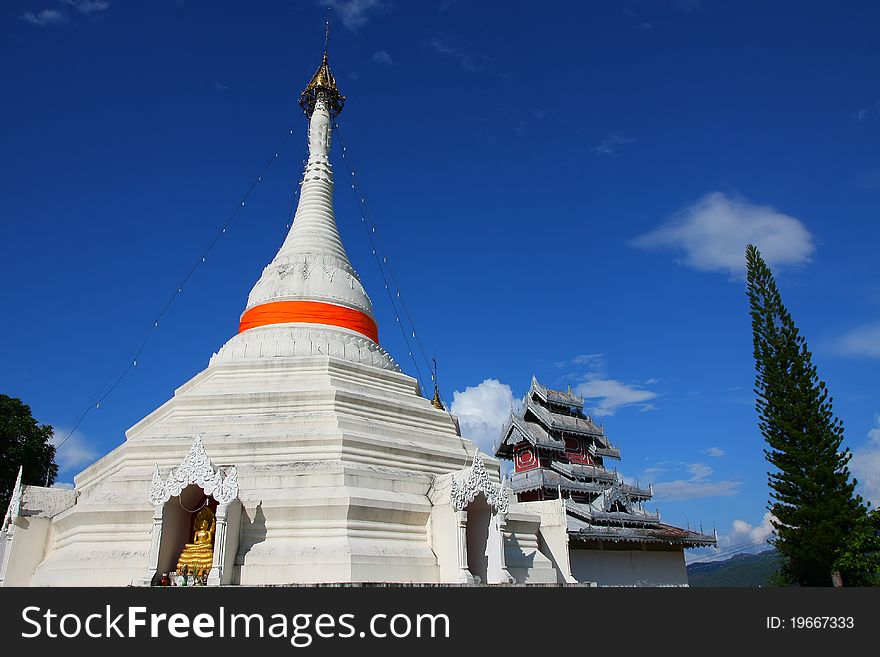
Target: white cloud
x=607, y=394
x=382, y=57
x=714, y=452
x=587, y=359
x=470, y=61
x=89, y=7
x=696, y=484
x=44, y=17
x=713, y=233
x=742, y=537
x=353, y=14
x=64, y=484
x=862, y=341
x=591, y=361
x=689, y=5
x=865, y=465
x=611, y=394
x=867, y=112
x=613, y=143
x=74, y=453
x=483, y=410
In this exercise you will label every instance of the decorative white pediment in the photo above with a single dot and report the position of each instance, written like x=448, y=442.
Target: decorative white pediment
x=14, y=507
x=196, y=468
x=473, y=480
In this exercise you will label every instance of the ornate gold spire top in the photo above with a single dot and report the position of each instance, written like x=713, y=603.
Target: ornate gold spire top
x=322, y=82
x=436, y=401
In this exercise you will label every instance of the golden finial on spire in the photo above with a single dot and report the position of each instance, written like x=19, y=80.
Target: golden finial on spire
x=436, y=403
x=322, y=82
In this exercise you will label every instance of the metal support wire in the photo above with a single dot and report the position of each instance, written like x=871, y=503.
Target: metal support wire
x=135, y=354
x=369, y=219
x=373, y=238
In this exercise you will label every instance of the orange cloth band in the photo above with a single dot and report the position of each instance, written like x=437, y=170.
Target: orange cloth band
x=312, y=312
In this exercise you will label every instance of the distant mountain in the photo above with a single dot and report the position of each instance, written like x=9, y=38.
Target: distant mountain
x=738, y=570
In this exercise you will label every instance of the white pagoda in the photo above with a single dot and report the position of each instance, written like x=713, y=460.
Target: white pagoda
x=301, y=454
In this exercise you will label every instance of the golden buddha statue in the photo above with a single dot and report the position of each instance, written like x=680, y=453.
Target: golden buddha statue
x=196, y=557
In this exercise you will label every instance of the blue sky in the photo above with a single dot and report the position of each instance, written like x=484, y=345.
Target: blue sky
x=562, y=189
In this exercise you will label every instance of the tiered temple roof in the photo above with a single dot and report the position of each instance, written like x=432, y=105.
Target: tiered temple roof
x=558, y=451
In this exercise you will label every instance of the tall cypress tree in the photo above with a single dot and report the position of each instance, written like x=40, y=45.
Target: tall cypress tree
x=813, y=499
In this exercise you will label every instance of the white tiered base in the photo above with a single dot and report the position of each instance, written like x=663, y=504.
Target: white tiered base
x=334, y=458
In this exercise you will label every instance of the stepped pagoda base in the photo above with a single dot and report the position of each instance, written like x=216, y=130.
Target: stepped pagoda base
x=334, y=462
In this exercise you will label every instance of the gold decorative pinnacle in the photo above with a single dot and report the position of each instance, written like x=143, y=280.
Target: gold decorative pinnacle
x=322, y=83
x=436, y=403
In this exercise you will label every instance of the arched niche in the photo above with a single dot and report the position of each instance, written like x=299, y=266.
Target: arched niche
x=178, y=518
x=481, y=508
x=175, y=499
x=479, y=521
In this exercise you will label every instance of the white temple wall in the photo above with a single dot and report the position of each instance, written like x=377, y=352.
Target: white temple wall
x=229, y=541
x=332, y=522
x=629, y=567
x=553, y=535
x=25, y=550
x=496, y=568
x=98, y=547
x=525, y=561
x=443, y=526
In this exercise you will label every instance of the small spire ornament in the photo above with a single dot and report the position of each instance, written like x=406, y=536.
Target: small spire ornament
x=435, y=402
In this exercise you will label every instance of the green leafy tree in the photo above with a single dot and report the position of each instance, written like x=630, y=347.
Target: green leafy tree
x=813, y=498
x=25, y=443
x=860, y=556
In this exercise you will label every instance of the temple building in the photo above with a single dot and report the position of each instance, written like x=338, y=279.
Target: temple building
x=303, y=454
x=559, y=453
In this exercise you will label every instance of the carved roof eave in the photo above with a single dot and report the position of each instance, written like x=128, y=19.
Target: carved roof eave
x=195, y=468
x=582, y=470
x=517, y=431
x=621, y=535
x=556, y=422
x=539, y=478
x=505, y=444
x=555, y=396
x=589, y=514
x=631, y=535
x=608, y=452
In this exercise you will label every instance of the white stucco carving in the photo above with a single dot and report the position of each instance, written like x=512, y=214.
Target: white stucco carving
x=14, y=503
x=474, y=480
x=196, y=468
x=288, y=340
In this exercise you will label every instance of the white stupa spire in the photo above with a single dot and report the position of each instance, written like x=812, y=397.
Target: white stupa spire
x=312, y=263
x=311, y=285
